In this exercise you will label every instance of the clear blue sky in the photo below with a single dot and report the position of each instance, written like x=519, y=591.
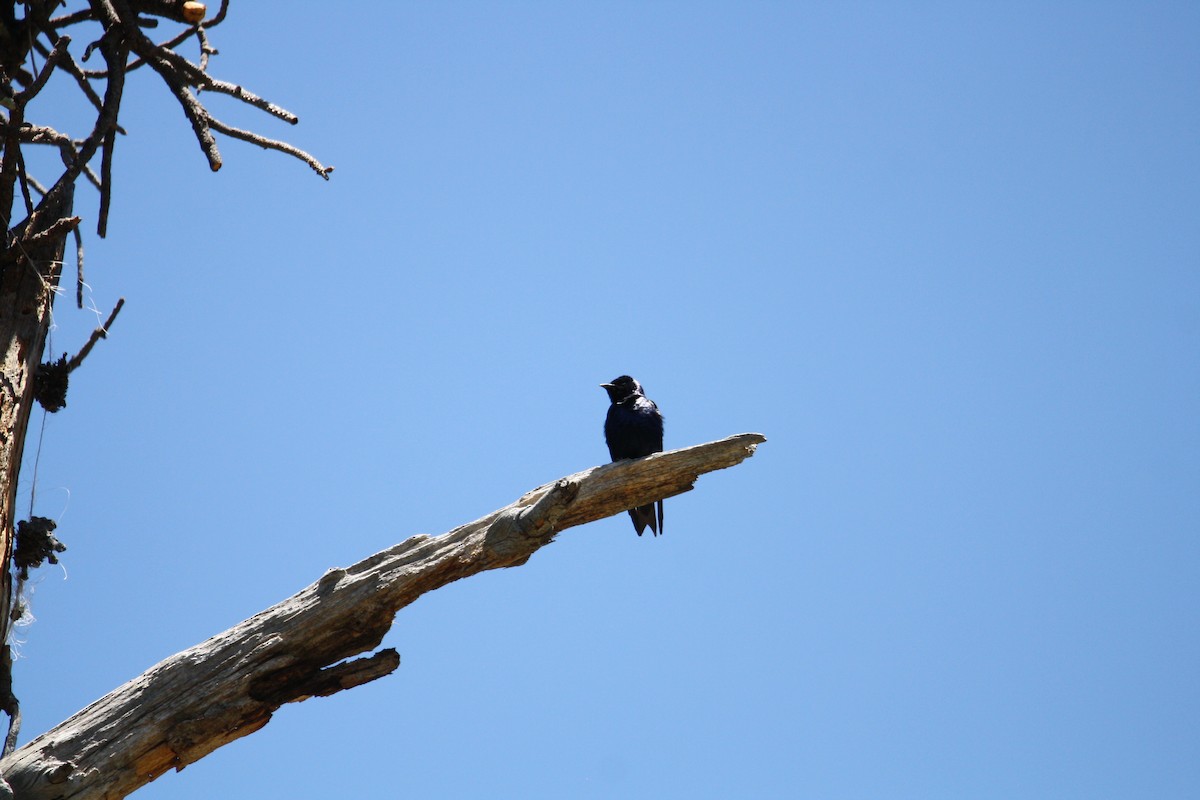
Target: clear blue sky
x=946, y=257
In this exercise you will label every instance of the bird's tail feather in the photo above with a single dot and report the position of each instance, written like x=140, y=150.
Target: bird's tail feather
x=643, y=517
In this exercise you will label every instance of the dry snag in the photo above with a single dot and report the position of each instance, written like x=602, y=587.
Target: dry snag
x=41, y=41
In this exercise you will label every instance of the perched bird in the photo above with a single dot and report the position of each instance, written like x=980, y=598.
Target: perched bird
x=633, y=429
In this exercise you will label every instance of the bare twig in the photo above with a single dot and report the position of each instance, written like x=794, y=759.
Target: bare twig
x=106, y=159
x=219, y=17
x=10, y=163
x=271, y=144
x=23, y=176
x=59, y=228
x=222, y=87
x=115, y=53
x=196, y=28
x=67, y=148
x=139, y=62
x=206, y=48
x=71, y=67
x=57, y=55
x=97, y=335
x=181, y=75
x=73, y=18
x=41, y=134
x=194, y=111
x=87, y=148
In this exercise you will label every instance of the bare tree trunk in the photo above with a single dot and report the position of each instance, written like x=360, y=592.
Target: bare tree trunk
x=227, y=687
x=29, y=271
x=28, y=278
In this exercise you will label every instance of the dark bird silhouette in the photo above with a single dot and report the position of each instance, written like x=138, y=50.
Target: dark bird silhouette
x=633, y=429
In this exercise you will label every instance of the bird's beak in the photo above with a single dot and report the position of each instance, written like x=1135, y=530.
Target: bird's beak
x=606, y=386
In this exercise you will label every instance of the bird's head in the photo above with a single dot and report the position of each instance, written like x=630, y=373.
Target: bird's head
x=621, y=388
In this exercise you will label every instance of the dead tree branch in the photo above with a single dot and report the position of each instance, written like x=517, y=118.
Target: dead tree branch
x=187, y=706
x=98, y=334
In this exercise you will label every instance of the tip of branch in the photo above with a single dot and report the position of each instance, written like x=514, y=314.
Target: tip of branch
x=753, y=440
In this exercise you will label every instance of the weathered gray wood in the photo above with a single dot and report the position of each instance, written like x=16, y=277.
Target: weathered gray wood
x=227, y=687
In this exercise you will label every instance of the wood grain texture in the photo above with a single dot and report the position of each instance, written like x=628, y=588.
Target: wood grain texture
x=228, y=686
